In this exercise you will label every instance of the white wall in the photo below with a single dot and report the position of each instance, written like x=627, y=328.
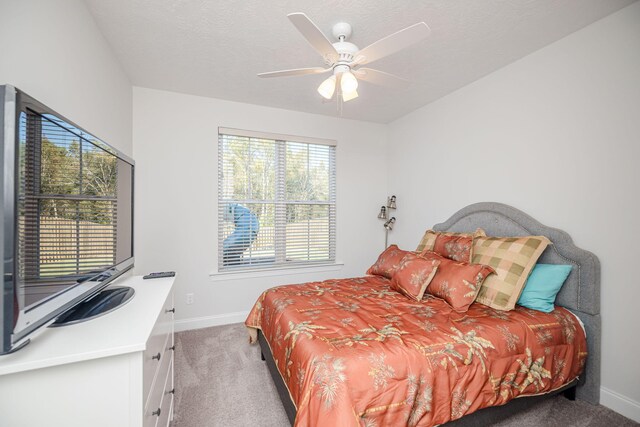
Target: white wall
x=54, y=51
x=176, y=146
x=557, y=135
x=569, y=110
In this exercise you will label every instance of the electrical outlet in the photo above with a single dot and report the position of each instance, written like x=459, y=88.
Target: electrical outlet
x=189, y=299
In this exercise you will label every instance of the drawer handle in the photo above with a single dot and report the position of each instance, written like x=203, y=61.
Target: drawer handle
x=173, y=310
x=172, y=391
x=156, y=412
x=172, y=348
x=157, y=356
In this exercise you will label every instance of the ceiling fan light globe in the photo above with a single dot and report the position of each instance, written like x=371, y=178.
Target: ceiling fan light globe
x=348, y=96
x=348, y=83
x=327, y=87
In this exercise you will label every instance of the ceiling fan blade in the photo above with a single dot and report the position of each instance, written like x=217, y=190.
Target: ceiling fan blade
x=393, y=43
x=314, y=36
x=295, y=72
x=381, y=78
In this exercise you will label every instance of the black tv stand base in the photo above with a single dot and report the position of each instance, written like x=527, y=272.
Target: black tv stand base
x=102, y=303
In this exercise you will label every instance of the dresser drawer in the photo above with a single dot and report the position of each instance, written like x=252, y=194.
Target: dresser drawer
x=167, y=408
x=160, y=340
x=155, y=393
x=160, y=405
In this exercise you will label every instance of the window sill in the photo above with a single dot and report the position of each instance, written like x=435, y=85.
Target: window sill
x=274, y=271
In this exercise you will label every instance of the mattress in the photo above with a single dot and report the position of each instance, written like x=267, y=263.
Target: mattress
x=354, y=352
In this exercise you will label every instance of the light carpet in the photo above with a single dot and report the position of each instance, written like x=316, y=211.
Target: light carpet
x=221, y=381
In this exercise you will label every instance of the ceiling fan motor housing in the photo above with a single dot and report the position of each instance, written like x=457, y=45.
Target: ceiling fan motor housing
x=345, y=49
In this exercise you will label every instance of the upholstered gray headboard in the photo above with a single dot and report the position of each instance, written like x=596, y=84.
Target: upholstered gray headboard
x=581, y=291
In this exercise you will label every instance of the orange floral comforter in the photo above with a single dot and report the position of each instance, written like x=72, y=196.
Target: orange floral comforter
x=353, y=352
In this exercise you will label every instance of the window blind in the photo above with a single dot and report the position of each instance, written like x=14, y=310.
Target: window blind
x=276, y=201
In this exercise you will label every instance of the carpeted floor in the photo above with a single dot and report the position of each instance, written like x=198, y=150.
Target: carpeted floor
x=221, y=381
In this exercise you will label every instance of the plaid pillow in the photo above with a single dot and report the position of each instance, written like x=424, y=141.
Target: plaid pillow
x=512, y=258
x=455, y=246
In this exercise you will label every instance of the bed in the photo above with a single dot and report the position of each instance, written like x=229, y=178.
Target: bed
x=323, y=343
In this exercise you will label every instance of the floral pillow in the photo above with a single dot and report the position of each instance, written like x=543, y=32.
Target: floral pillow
x=455, y=246
x=458, y=283
x=414, y=275
x=388, y=262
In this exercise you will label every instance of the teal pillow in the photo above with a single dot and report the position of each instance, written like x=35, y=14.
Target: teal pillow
x=543, y=285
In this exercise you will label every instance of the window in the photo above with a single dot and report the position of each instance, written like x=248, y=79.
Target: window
x=276, y=200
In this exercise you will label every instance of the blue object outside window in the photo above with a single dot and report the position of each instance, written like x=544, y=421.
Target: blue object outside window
x=245, y=233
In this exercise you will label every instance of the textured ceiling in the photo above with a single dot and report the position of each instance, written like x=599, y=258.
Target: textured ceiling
x=215, y=48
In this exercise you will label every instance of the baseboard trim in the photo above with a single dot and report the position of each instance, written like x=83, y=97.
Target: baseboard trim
x=208, y=321
x=619, y=403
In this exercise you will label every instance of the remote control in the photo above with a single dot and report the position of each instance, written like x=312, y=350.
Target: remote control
x=159, y=275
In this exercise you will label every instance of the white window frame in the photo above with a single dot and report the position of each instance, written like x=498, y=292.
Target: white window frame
x=280, y=204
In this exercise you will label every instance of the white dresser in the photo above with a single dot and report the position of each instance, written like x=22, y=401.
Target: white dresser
x=112, y=371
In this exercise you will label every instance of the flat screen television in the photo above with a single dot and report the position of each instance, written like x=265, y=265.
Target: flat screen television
x=67, y=216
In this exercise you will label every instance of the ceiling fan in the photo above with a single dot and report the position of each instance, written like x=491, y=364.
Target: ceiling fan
x=345, y=59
